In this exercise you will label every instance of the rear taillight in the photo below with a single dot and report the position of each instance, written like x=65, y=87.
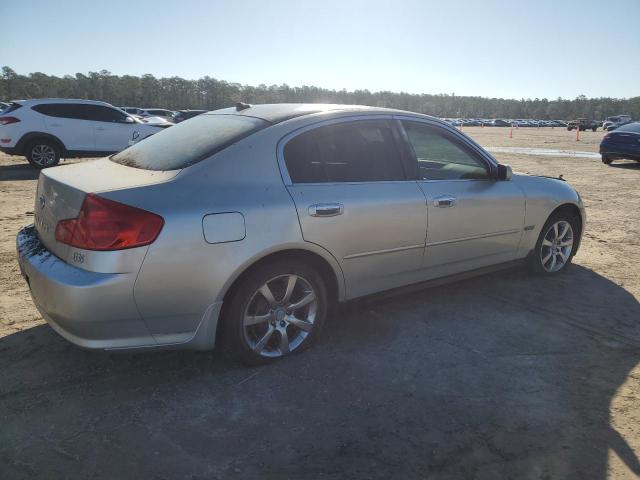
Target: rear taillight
x=8, y=120
x=107, y=225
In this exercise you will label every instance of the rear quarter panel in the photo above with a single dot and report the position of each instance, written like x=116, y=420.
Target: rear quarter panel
x=182, y=275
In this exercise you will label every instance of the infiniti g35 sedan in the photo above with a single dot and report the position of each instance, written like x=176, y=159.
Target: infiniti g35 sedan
x=242, y=226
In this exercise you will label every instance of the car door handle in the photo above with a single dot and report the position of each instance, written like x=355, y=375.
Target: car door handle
x=100, y=128
x=444, y=201
x=326, y=209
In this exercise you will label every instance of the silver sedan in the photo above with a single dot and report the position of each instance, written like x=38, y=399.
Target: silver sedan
x=243, y=225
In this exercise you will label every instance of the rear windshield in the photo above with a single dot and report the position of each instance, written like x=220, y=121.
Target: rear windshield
x=629, y=127
x=188, y=142
x=10, y=108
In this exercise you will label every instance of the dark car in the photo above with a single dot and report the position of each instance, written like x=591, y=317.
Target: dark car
x=623, y=142
x=182, y=115
x=583, y=124
x=498, y=122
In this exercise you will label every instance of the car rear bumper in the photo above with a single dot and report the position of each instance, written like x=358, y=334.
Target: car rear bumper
x=620, y=150
x=92, y=310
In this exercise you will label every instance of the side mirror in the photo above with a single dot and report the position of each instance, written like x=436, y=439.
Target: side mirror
x=129, y=120
x=504, y=172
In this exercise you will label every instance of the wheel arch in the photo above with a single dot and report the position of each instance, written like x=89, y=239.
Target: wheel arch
x=31, y=136
x=327, y=267
x=572, y=210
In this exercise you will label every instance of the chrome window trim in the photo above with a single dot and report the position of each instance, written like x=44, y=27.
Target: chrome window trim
x=491, y=162
x=284, y=172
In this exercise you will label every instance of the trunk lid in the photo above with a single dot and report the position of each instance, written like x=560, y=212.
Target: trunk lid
x=61, y=191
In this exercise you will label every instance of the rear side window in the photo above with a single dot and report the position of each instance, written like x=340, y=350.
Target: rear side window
x=361, y=151
x=62, y=110
x=187, y=143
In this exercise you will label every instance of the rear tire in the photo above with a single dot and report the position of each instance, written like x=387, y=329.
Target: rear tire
x=606, y=160
x=277, y=310
x=42, y=153
x=556, y=245
x=595, y=128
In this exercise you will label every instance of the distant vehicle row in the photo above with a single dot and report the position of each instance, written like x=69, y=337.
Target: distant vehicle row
x=504, y=122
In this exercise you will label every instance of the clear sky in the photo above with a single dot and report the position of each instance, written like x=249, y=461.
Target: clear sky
x=510, y=49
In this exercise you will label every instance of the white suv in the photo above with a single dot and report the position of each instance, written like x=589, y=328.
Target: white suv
x=45, y=130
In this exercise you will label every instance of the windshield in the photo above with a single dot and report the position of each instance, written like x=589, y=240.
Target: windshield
x=188, y=142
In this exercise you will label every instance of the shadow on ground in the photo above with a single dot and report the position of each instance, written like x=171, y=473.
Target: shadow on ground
x=502, y=376
x=18, y=171
x=627, y=165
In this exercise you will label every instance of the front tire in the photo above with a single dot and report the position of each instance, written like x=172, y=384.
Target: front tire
x=606, y=160
x=278, y=309
x=43, y=153
x=556, y=244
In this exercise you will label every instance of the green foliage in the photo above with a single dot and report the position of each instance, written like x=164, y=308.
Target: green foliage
x=210, y=93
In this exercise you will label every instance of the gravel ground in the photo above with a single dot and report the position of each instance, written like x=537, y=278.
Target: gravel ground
x=501, y=376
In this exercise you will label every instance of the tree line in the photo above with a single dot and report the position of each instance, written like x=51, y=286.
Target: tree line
x=210, y=94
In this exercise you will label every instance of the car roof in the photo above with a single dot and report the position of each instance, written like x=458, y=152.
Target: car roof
x=279, y=112
x=36, y=101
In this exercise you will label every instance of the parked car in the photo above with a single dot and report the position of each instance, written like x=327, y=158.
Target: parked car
x=498, y=122
x=254, y=219
x=157, y=121
x=158, y=112
x=132, y=110
x=623, y=142
x=182, y=115
x=47, y=129
x=611, y=123
x=583, y=124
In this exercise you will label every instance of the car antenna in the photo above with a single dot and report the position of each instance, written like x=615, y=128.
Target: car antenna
x=242, y=106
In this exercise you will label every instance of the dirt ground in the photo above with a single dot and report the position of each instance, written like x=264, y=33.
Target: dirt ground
x=502, y=376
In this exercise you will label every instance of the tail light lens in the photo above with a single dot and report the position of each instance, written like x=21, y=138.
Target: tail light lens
x=107, y=225
x=8, y=120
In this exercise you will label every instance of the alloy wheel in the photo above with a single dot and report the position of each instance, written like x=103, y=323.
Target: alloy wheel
x=43, y=155
x=557, y=245
x=280, y=315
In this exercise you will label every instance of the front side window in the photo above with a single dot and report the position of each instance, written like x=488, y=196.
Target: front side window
x=359, y=151
x=98, y=113
x=441, y=157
